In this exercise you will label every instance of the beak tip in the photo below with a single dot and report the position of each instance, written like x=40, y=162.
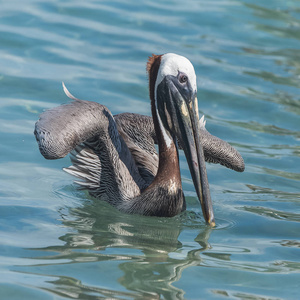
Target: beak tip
x=211, y=222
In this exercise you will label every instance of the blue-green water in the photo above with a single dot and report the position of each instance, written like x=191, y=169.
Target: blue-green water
x=57, y=243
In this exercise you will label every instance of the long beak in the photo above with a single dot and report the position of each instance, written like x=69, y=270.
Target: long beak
x=201, y=180
x=188, y=132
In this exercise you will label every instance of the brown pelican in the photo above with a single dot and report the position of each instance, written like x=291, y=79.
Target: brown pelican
x=115, y=156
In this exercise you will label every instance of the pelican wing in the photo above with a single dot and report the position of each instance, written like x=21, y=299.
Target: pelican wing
x=139, y=136
x=100, y=157
x=220, y=152
x=60, y=129
x=140, y=130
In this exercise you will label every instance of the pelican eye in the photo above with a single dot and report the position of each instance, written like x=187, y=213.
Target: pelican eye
x=183, y=78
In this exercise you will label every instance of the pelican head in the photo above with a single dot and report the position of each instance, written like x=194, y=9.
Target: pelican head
x=173, y=89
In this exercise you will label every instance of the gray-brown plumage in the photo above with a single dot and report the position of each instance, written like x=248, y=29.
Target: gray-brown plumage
x=142, y=138
x=114, y=156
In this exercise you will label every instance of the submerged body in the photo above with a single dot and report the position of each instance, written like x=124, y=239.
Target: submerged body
x=115, y=157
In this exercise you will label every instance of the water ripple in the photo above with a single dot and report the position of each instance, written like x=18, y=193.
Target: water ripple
x=60, y=242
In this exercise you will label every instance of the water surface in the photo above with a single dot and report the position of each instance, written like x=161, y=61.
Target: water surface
x=58, y=243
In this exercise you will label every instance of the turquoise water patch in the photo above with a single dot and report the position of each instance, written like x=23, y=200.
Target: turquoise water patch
x=57, y=242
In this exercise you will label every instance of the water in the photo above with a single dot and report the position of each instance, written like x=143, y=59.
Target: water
x=57, y=243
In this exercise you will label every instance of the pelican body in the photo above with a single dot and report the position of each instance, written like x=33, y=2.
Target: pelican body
x=115, y=156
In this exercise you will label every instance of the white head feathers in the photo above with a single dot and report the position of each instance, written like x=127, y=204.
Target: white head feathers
x=171, y=64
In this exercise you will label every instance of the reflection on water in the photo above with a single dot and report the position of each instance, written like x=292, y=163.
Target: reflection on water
x=285, y=25
x=290, y=102
x=287, y=216
x=147, y=250
x=271, y=129
x=148, y=256
x=109, y=254
x=74, y=289
x=288, y=243
x=274, y=193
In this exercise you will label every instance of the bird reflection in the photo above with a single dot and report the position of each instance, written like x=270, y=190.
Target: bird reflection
x=149, y=252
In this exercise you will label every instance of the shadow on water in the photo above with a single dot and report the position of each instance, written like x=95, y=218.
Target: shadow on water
x=146, y=250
